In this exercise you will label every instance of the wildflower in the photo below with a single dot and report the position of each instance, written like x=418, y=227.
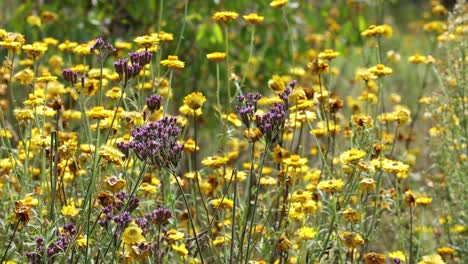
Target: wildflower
x=416, y=59
x=306, y=233
x=82, y=240
x=22, y=213
x=114, y=93
x=410, y=198
x=140, y=58
x=133, y=234
x=318, y=66
x=174, y=235
x=374, y=30
x=331, y=186
x=380, y=70
x=114, y=183
x=220, y=241
x=189, y=146
x=156, y=143
x=180, y=250
x=24, y=114
x=397, y=256
x=46, y=77
x=435, y=26
x=164, y=36
x=253, y=18
x=233, y=119
x=374, y=258
x=283, y=244
x=194, y=100
x=446, y=251
x=214, y=162
x=267, y=180
x=70, y=210
x=173, y=62
x=216, y=56
x=351, y=215
x=276, y=83
x=34, y=100
x=432, y=259
x=295, y=161
x=351, y=239
x=99, y=113
x=48, y=16
x=222, y=203
x=125, y=71
x=423, y=201
x=367, y=185
x=112, y=154
x=278, y=3
x=438, y=9
x=224, y=16
x=352, y=156
x=82, y=49
x=146, y=41
x=153, y=102
x=328, y=54
x=247, y=106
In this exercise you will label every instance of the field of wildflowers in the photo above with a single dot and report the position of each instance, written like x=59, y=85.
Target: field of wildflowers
x=234, y=132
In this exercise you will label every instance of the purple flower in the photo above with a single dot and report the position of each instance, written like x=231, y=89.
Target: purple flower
x=102, y=47
x=156, y=143
x=160, y=216
x=247, y=107
x=70, y=76
x=141, y=58
x=154, y=102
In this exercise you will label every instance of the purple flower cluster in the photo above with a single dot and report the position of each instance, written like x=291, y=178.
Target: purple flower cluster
x=156, y=143
x=102, y=47
x=247, y=107
x=141, y=58
x=154, y=102
x=58, y=245
x=138, y=60
x=272, y=123
x=70, y=75
x=160, y=216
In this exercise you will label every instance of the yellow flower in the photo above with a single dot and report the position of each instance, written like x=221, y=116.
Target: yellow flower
x=445, y=251
x=173, y=62
x=224, y=16
x=374, y=258
x=216, y=56
x=295, y=161
x=164, y=36
x=416, y=59
x=318, y=66
x=35, y=50
x=220, y=241
x=122, y=45
x=253, y=18
x=214, y=162
x=70, y=210
x=306, y=233
x=423, y=201
x=352, y=156
x=133, y=234
x=367, y=185
x=82, y=49
x=331, y=186
x=46, y=77
x=146, y=41
x=374, y=30
x=112, y=154
x=351, y=215
x=432, y=259
x=284, y=244
x=397, y=255
x=174, y=235
x=351, y=239
x=34, y=21
x=194, y=100
x=114, y=93
x=233, y=119
x=99, y=113
x=223, y=203
x=435, y=26
x=24, y=114
x=81, y=241
x=328, y=54
x=114, y=183
x=34, y=100
x=67, y=46
x=277, y=84
x=380, y=70
x=30, y=201
x=180, y=250
x=278, y=3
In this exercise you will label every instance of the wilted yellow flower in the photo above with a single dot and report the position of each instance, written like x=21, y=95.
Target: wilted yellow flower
x=224, y=16
x=374, y=258
x=367, y=184
x=351, y=239
x=112, y=154
x=173, y=62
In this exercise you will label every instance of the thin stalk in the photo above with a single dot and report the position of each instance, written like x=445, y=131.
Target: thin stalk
x=411, y=235
x=196, y=166
x=11, y=241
